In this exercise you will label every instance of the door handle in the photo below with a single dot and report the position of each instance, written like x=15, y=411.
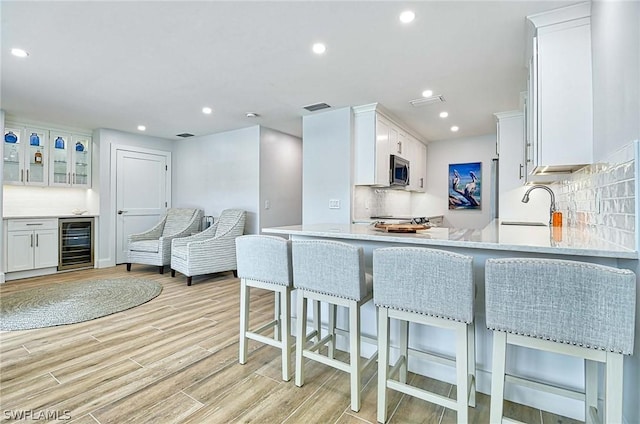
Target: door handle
x=120, y=212
x=37, y=244
x=31, y=240
x=27, y=176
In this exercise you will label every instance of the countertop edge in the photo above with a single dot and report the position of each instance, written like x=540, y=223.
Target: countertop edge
x=484, y=245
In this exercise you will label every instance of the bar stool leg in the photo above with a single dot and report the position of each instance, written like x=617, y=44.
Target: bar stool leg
x=285, y=334
x=497, y=376
x=613, y=388
x=332, y=330
x=383, y=362
x=462, y=371
x=591, y=390
x=277, y=330
x=354, y=348
x=317, y=320
x=471, y=358
x=404, y=351
x=301, y=335
x=244, y=320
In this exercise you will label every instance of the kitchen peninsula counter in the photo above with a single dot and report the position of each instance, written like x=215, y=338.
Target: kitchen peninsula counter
x=493, y=241
x=565, y=241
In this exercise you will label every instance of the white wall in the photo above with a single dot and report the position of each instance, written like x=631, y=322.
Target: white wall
x=219, y=171
x=280, y=179
x=327, y=166
x=436, y=199
x=103, y=139
x=615, y=33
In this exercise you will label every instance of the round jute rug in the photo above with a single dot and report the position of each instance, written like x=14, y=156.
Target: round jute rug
x=68, y=303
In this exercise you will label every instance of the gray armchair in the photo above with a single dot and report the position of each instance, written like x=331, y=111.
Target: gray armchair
x=212, y=250
x=153, y=247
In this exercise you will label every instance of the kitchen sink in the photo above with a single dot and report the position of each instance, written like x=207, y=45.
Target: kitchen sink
x=531, y=224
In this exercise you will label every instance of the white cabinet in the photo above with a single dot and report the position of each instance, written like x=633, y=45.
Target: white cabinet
x=560, y=91
x=377, y=137
x=31, y=244
x=417, y=165
x=26, y=155
x=510, y=142
x=70, y=159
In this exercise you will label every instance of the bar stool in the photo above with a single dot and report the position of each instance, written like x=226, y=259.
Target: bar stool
x=428, y=287
x=331, y=272
x=265, y=262
x=568, y=307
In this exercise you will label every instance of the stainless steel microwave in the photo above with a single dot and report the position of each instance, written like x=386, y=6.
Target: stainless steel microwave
x=398, y=171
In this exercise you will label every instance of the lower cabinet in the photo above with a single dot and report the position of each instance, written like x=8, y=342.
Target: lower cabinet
x=32, y=244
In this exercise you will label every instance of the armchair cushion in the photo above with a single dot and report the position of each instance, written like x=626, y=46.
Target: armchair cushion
x=144, y=246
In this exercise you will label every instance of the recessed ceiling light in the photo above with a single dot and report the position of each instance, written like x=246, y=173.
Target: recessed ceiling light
x=142, y=128
x=454, y=128
x=319, y=48
x=251, y=115
x=407, y=16
x=19, y=52
x=207, y=110
x=444, y=114
x=427, y=93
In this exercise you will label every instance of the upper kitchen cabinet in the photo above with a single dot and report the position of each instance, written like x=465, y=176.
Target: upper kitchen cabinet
x=418, y=165
x=559, y=102
x=70, y=159
x=510, y=147
x=377, y=137
x=25, y=155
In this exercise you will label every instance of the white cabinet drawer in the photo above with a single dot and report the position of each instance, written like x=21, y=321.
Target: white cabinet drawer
x=31, y=224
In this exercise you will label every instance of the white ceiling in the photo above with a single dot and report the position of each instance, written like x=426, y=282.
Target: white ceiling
x=108, y=64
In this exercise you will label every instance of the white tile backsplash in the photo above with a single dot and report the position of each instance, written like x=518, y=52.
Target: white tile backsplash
x=372, y=201
x=602, y=196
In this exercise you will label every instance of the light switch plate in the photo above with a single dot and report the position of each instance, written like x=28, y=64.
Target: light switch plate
x=334, y=203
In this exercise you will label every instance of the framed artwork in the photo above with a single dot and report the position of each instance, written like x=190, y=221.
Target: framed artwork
x=465, y=186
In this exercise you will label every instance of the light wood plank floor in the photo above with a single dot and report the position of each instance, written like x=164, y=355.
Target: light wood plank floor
x=174, y=359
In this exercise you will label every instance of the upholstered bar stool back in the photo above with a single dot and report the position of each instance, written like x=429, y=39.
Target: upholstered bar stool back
x=428, y=287
x=331, y=272
x=574, y=308
x=265, y=262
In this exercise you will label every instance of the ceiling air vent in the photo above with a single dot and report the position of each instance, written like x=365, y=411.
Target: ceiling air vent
x=184, y=135
x=426, y=101
x=317, y=106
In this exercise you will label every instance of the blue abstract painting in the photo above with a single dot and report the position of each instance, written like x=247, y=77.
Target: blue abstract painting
x=465, y=185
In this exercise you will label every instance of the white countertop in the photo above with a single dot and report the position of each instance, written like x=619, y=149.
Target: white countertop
x=569, y=241
x=49, y=216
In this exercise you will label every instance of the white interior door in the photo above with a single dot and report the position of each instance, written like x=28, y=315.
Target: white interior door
x=142, y=181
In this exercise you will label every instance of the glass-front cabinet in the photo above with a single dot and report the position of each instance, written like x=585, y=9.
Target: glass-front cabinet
x=70, y=160
x=26, y=156
x=81, y=155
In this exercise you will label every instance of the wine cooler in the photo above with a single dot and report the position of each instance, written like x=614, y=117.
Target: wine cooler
x=76, y=243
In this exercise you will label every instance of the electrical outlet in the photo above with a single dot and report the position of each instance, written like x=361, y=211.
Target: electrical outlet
x=267, y=204
x=334, y=204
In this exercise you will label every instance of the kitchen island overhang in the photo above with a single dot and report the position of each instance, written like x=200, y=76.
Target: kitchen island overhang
x=493, y=241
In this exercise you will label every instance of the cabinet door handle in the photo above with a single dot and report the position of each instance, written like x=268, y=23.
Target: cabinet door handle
x=35, y=223
x=421, y=182
x=68, y=177
x=37, y=240
x=74, y=178
x=31, y=240
x=27, y=175
x=520, y=172
x=120, y=212
x=400, y=147
x=22, y=175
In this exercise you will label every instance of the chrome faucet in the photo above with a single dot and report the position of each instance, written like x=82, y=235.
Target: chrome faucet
x=552, y=208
